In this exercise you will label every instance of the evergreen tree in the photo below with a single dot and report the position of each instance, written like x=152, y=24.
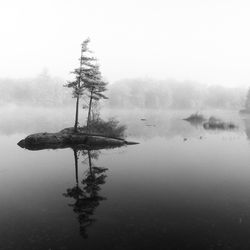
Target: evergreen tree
x=78, y=84
x=95, y=86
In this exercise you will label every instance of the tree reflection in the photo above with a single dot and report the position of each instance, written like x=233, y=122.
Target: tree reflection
x=86, y=193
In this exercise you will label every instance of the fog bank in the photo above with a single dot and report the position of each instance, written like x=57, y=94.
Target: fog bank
x=47, y=91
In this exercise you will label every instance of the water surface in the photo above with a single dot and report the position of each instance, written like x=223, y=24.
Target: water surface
x=182, y=187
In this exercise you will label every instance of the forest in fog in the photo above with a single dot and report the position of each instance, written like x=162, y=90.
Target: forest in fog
x=47, y=91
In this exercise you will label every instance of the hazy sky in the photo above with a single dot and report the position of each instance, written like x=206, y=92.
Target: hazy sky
x=202, y=40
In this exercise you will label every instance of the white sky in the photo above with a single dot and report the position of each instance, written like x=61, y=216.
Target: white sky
x=202, y=40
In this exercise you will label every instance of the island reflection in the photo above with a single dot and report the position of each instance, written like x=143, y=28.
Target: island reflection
x=86, y=192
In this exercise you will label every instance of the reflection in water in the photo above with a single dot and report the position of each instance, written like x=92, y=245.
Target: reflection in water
x=86, y=194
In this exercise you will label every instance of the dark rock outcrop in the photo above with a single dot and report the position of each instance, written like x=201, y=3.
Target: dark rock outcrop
x=69, y=138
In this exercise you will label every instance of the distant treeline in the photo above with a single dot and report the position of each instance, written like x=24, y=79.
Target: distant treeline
x=42, y=90
x=164, y=94
x=48, y=91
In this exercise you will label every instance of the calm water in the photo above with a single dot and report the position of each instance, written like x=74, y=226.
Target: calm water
x=165, y=193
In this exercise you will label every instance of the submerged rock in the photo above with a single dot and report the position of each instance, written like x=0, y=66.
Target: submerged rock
x=69, y=138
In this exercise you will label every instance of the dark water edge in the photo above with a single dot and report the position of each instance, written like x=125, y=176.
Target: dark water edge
x=165, y=193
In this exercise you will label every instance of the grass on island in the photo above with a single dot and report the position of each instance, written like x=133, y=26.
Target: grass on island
x=110, y=128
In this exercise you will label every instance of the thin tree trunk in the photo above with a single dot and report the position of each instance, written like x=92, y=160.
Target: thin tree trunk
x=90, y=163
x=76, y=165
x=77, y=100
x=76, y=116
x=92, y=174
x=89, y=113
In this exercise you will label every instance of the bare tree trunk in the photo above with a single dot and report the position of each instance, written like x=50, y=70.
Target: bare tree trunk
x=90, y=163
x=78, y=85
x=89, y=112
x=76, y=165
x=76, y=116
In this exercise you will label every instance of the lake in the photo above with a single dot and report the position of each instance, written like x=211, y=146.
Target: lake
x=182, y=187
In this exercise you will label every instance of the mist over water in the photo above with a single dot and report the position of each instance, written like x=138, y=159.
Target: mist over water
x=45, y=90
x=181, y=182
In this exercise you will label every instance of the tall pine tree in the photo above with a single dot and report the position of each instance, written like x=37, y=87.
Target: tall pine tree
x=78, y=85
x=95, y=86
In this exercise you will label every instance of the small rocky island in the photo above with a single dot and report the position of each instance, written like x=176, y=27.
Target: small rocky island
x=69, y=138
x=89, y=86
